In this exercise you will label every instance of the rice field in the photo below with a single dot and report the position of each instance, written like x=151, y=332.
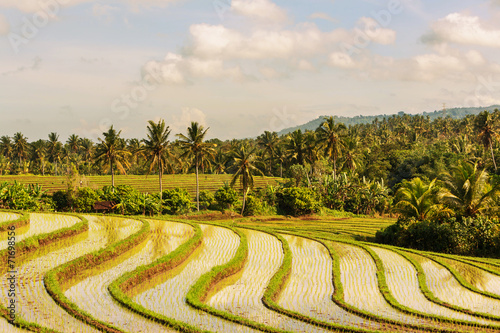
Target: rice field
x=143, y=183
x=330, y=278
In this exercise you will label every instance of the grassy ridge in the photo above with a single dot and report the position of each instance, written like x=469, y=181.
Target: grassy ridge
x=31, y=245
x=66, y=271
x=23, y=220
x=119, y=288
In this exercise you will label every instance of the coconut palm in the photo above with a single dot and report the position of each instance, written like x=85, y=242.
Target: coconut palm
x=245, y=168
x=467, y=189
x=485, y=125
x=54, y=150
x=417, y=199
x=268, y=142
x=20, y=147
x=112, y=152
x=295, y=147
x=193, y=147
x=6, y=147
x=39, y=153
x=329, y=136
x=156, y=149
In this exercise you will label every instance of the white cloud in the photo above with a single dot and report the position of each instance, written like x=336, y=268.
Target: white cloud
x=342, y=60
x=322, y=16
x=261, y=10
x=209, y=41
x=4, y=25
x=375, y=32
x=180, y=123
x=463, y=29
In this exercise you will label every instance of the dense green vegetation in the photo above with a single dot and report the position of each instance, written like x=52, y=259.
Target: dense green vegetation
x=439, y=176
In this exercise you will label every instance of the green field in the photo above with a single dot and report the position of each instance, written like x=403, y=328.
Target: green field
x=215, y=273
x=145, y=184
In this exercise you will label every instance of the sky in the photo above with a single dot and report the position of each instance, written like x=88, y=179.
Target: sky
x=239, y=67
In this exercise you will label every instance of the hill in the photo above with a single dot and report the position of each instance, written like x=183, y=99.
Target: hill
x=454, y=113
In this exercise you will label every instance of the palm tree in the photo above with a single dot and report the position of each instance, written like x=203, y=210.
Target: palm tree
x=54, y=150
x=6, y=147
x=112, y=152
x=485, y=125
x=417, y=199
x=193, y=146
x=467, y=189
x=156, y=149
x=295, y=146
x=87, y=150
x=73, y=145
x=20, y=147
x=39, y=152
x=268, y=141
x=244, y=163
x=329, y=136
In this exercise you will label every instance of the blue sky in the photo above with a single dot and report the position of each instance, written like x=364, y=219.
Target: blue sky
x=241, y=66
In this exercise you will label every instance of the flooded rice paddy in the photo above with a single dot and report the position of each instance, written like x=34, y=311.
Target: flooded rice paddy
x=308, y=289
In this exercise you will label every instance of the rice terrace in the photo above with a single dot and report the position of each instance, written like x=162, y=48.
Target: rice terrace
x=249, y=166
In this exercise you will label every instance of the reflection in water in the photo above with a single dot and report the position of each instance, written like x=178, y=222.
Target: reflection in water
x=243, y=297
x=42, y=223
x=309, y=287
x=34, y=303
x=167, y=291
x=92, y=296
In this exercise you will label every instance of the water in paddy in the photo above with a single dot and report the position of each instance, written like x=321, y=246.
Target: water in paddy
x=92, y=296
x=309, y=287
x=165, y=294
x=477, y=277
x=401, y=277
x=243, y=296
x=5, y=327
x=8, y=216
x=34, y=303
x=42, y=223
x=446, y=288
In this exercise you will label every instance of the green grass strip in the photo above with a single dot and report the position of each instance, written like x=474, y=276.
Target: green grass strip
x=338, y=294
x=463, y=282
x=118, y=288
x=66, y=271
x=200, y=289
x=23, y=220
x=423, y=287
x=30, y=245
x=276, y=285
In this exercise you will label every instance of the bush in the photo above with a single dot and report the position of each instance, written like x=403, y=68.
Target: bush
x=253, y=206
x=226, y=197
x=85, y=199
x=297, y=201
x=176, y=201
x=61, y=201
x=466, y=236
x=206, y=199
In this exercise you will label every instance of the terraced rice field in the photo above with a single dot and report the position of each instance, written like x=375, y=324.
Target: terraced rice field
x=143, y=183
x=330, y=281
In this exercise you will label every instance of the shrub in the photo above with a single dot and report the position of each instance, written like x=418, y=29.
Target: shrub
x=85, y=199
x=206, y=199
x=61, y=201
x=298, y=201
x=253, y=206
x=226, y=197
x=176, y=201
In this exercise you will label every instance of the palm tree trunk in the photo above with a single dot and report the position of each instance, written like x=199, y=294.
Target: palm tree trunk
x=493, y=157
x=55, y=168
x=244, y=200
x=197, y=187
x=160, y=180
x=112, y=178
x=281, y=170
